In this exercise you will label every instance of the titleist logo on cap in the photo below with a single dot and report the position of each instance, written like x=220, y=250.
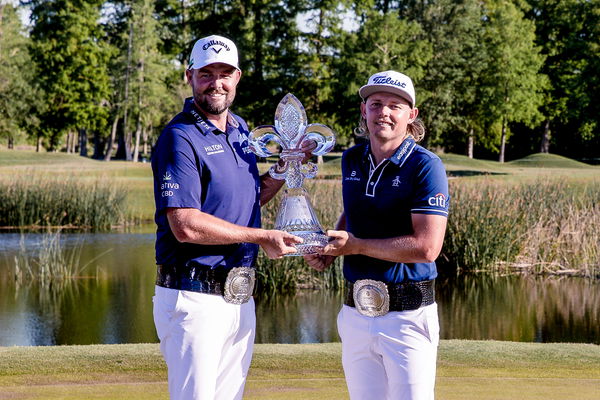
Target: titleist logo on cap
x=392, y=82
x=386, y=80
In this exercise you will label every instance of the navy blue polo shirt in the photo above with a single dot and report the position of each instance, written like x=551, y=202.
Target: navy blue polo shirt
x=379, y=201
x=195, y=165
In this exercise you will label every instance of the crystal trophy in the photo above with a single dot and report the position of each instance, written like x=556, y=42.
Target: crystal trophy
x=295, y=214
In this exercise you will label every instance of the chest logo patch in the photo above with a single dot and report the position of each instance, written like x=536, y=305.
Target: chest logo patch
x=246, y=148
x=214, y=149
x=396, y=182
x=352, y=177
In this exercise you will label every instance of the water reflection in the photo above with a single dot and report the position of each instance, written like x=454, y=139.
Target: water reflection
x=114, y=305
x=307, y=317
x=523, y=309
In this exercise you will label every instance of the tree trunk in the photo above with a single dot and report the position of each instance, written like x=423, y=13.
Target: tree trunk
x=502, y=141
x=99, y=144
x=124, y=147
x=138, y=134
x=38, y=143
x=11, y=143
x=258, y=42
x=185, y=37
x=471, y=143
x=72, y=142
x=68, y=144
x=75, y=143
x=545, y=145
x=113, y=135
x=83, y=142
x=145, y=141
x=138, y=129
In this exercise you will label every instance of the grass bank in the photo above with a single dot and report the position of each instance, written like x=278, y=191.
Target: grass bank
x=466, y=370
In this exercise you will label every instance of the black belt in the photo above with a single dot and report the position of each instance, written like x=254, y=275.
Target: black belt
x=195, y=279
x=404, y=296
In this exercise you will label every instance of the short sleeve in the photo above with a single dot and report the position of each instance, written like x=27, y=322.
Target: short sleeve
x=176, y=171
x=431, y=189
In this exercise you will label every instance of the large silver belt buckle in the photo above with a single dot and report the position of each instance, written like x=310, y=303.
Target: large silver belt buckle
x=371, y=298
x=239, y=285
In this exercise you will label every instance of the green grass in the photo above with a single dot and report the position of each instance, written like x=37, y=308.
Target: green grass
x=476, y=370
x=542, y=160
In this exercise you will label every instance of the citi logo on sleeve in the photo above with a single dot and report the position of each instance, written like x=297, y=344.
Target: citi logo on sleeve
x=439, y=200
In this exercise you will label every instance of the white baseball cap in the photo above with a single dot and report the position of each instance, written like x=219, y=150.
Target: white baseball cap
x=213, y=49
x=390, y=82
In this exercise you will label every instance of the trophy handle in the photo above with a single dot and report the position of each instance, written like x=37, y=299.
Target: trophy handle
x=323, y=135
x=259, y=139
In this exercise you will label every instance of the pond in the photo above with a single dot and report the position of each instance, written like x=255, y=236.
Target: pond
x=115, y=306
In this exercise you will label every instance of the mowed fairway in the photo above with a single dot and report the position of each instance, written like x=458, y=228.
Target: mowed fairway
x=466, y=370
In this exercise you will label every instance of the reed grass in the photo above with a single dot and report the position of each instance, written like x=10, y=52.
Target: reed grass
x=48, y=265
x=35, y=199
x=537, y=226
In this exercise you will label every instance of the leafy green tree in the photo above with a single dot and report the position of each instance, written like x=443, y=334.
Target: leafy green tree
x=382, y=42
x=568, y=32
x=271, y=54
x=151, y=71
x=141, y=101
x=72, y=59
x=264, y=32
x=321, y=30
x=513, y=85
x=451, y=107
x=19, y=95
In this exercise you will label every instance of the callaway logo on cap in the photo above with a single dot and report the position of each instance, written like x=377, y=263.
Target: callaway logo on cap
x=390, y=82
x=213, y=49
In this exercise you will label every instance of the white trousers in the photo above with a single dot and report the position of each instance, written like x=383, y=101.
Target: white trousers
x=392, y=356
x=206, y=342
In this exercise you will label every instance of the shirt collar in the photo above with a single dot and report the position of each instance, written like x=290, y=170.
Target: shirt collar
x=403, y=152
x=202, y=123
x=400, y=155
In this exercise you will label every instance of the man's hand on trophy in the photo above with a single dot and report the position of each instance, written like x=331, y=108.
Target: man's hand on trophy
x=340, y=243
x=307, y=147
x=279, y=243
x=318, y=261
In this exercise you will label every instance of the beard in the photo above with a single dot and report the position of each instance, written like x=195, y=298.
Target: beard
x=212, y=106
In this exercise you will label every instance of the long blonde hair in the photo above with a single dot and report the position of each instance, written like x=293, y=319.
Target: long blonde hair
x=416, y=129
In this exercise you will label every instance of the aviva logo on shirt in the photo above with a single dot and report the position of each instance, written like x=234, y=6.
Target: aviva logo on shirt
x=214, y=149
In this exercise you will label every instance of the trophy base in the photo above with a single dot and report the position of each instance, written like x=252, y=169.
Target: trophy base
x=312, y=242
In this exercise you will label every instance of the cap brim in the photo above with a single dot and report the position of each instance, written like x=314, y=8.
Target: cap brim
x=214, y=62
x=368, y=90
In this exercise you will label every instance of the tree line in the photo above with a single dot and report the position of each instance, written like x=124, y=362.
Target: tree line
x=494, y=78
